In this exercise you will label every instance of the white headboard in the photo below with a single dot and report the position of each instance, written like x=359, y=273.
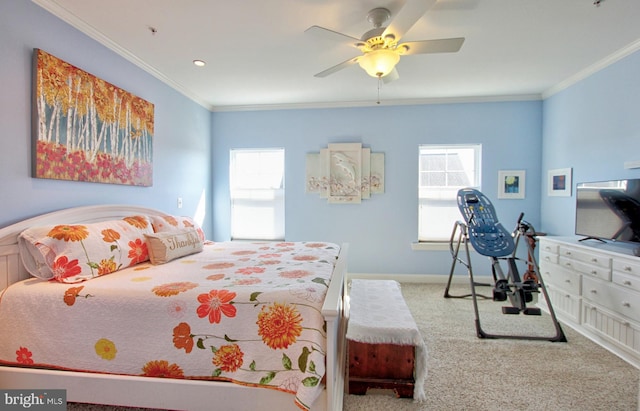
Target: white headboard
x=11, y=268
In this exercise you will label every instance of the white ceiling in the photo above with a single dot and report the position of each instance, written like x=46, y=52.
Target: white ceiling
x=259, y=56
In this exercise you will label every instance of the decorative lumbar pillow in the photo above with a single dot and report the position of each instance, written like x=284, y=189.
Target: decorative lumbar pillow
x=171, y=223
x=167, y=246
x=71, y=253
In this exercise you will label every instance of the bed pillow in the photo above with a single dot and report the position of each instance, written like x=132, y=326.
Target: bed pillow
x=167, y=246
x=71, y=253
x=170, y=223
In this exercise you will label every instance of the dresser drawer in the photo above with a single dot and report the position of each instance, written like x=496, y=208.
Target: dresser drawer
x=611, y=326
x=627, y=281
x=548, y=247
x=617, y=299
x=548, y=257
x=603, y=273
x=627, y=266
x=565, y=304
x=585, y=257
x=561, y=278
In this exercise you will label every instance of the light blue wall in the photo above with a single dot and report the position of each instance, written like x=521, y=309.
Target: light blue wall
x=182, y=137
x=381, y=229
x=593, y=127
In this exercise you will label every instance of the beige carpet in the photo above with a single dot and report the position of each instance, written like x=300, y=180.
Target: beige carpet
x=468, y=373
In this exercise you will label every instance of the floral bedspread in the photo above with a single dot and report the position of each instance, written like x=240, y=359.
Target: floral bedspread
x=248, y=313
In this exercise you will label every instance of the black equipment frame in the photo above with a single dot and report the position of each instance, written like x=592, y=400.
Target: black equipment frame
x=511, y=286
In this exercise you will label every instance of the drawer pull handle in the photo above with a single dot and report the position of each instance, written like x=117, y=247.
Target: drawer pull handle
x=627, y=268
x=567, y=264
x=567, y=252
x=594, y=260
x=567, y=281
x=626, y=304
x=626, y=282
x=593, y=291
x=594, y=272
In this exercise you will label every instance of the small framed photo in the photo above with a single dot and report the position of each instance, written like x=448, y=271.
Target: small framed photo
x=511, y=184
x=559, y=182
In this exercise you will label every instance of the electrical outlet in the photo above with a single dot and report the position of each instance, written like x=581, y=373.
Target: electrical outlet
x=179, y=202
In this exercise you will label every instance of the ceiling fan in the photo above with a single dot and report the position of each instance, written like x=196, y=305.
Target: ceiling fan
x=381, y=48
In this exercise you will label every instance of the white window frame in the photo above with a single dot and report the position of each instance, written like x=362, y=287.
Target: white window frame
x=256, y=191
x=443, y=222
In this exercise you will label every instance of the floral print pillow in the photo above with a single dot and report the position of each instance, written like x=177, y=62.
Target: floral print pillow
x=170, y=223
x=71, y=253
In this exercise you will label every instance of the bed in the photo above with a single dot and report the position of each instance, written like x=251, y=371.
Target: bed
x=237, y=325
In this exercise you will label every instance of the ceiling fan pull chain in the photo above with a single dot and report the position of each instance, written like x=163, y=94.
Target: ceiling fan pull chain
x=379, y=84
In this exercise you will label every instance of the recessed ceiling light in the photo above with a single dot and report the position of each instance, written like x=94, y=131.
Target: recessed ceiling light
x=199, y=63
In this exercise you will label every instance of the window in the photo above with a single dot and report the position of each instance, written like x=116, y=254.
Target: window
x=256, y=181
x=443, y=170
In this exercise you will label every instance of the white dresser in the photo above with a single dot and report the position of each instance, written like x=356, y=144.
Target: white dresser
x=595, y=288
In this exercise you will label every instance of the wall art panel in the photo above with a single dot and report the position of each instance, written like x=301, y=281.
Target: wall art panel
x=85, y=129
x=345, y=173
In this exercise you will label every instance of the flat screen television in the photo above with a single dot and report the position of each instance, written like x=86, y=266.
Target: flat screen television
x=609, y=210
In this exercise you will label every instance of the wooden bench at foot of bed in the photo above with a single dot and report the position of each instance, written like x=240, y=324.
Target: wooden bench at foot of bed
x=385, y=348
x=385, y=366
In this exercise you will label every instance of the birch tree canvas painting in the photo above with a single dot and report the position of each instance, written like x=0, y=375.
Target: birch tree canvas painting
x=86, y=129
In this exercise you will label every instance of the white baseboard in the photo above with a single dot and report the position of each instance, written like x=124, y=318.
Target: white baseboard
x=420, y=278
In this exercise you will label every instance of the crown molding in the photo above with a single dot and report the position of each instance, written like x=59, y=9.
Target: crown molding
x=62, y=13
x=383, y=103
x=591, y=70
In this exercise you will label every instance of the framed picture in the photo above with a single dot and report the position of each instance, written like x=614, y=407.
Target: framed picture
x=85, y=129
x=559, y=182
x=511, y=184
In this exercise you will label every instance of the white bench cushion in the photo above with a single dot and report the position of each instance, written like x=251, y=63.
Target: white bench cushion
x=378, y=314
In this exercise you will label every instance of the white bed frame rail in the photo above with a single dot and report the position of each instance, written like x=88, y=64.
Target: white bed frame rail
x=164, y=393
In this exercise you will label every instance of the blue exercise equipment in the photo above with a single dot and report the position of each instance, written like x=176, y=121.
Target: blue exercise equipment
x=488, y=237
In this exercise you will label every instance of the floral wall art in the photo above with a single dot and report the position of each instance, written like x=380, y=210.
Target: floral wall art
x=345, y=173
x=86, y=129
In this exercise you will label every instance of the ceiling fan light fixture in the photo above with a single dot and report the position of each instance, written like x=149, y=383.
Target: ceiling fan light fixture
x=379, y=63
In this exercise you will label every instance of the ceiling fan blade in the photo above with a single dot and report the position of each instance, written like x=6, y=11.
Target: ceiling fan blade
x=407, y=16
x=392, y=76
x=337, y=67
x=432, y=46
x=328, y=34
